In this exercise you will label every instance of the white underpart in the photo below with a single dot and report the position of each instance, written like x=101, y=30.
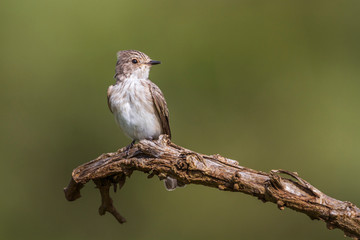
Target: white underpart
x=133, y=107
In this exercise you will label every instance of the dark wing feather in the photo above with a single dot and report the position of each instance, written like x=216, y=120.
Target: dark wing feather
x=108, y=97
x=161, y=107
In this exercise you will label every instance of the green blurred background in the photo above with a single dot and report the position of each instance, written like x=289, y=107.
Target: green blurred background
x=272, y=84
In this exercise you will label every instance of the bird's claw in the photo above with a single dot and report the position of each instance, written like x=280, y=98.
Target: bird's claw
x=129, y=147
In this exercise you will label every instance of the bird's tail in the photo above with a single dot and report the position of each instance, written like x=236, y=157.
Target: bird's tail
x=171, y=183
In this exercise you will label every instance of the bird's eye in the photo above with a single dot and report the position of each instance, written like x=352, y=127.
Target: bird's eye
x=134, y=61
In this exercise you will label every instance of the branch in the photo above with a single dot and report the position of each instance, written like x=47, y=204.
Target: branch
x=163, y=158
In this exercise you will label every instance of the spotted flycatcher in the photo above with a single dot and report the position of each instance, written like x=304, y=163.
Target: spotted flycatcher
x=137, y=103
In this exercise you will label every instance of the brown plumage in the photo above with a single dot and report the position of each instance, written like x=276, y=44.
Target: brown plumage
x=161, y=108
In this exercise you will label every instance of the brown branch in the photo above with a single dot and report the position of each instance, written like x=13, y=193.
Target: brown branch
x=163, y=158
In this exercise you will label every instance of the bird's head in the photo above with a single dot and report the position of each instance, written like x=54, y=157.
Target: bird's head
x=133, y=64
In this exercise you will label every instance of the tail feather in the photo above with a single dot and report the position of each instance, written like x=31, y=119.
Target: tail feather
x=171, y=183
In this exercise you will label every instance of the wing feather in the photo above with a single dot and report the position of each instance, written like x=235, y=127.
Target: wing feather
x=109, y=91
x=161, y=108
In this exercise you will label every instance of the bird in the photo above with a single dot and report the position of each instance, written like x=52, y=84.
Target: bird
x=139, y=106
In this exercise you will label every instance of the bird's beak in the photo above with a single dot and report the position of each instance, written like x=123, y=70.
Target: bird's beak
x=152, y=62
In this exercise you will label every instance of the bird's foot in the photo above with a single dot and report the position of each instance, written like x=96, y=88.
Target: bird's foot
x=129, y=147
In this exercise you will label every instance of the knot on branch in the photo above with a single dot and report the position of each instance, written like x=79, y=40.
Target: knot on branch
x=303, y=190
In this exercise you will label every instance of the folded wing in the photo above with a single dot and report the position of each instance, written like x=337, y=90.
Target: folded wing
x=161, y=108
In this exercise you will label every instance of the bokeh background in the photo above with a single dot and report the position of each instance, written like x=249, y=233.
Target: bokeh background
x=272, y=84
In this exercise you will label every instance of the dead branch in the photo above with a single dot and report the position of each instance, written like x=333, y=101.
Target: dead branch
x=163, y=158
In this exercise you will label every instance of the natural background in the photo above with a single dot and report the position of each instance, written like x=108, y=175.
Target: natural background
x=272, y=84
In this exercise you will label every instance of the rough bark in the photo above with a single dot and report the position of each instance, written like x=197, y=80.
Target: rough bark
x=163, y=158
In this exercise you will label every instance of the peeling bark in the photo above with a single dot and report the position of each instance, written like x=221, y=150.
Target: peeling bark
x=163, y=158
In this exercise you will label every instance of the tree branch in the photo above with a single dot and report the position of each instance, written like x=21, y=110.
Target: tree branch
x=163, y=158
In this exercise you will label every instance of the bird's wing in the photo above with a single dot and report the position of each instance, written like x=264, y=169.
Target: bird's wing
x=108, y=97
x=161, y=108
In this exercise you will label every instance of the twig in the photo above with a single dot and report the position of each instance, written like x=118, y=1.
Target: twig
x=164, y=158
x=106, y=201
